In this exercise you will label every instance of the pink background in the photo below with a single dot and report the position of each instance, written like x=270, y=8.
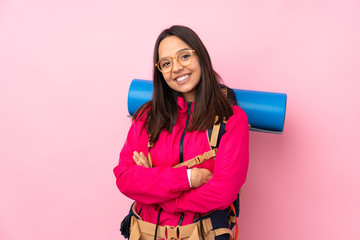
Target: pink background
x=65, y=69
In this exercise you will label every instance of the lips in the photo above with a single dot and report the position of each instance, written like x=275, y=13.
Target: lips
x=182, y=77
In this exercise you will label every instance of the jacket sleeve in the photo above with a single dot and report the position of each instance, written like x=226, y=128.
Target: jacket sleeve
x=230, y=169
x=147, y=185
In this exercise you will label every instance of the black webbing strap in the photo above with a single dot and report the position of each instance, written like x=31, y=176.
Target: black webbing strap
x=157, y=224
x=201, y=227
x=181, y=219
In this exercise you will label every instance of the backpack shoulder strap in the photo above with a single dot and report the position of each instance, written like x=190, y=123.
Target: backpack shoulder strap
x=198, y=159
x=149, y=156
x=215, y=133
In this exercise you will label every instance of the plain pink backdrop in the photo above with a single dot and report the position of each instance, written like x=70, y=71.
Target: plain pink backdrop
x=65, y=69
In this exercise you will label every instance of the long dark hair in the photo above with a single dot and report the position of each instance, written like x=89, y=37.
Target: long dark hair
x=209, y=101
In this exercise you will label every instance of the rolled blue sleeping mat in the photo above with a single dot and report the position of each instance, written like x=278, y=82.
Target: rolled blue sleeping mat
x=265, y=110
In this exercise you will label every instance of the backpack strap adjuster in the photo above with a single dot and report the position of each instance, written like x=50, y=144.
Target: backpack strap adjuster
x=171, y=232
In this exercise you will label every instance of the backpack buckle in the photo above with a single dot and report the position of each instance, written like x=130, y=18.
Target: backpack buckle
x=197, y=160
x=201, y=158
x=172, y=232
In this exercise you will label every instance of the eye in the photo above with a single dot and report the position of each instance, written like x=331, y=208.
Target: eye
x=185, y=56
x=165, y=63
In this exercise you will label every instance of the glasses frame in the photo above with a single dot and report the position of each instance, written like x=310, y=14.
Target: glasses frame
x=157, y=64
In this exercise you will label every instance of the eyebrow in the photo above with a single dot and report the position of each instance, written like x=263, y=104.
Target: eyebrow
x=176, y=53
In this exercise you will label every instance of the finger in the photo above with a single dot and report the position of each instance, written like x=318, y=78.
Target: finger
x=137, y=158
x=136, y=154
x=142, y=156
x=137, y=161
x=144, y=160
x=141, y=159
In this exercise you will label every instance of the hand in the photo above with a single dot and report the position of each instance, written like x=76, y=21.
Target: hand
x=200, y=176
x=141, y=160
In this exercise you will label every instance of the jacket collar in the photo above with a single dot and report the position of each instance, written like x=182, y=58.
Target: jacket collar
x=183, y=104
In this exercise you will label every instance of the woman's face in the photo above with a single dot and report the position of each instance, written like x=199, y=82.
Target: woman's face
x=182, y=79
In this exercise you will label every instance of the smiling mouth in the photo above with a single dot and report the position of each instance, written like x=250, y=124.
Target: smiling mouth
x=182, y=78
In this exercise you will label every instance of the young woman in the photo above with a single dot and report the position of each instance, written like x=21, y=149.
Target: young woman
x=171, y=129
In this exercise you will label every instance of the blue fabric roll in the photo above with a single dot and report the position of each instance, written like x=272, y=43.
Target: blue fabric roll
x=140, y=92
x=265, y=110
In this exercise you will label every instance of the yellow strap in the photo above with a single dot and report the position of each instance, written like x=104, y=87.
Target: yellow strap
x=215, y=135
x=232, y=219
x=198, y=159
x=221, y=231
x=149, y=158
x=134, y=229
x=143, y=230
x=195, y=235
x=150, y=145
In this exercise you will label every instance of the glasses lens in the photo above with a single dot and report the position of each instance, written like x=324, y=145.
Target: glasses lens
x=165, y=65
x=184, y=57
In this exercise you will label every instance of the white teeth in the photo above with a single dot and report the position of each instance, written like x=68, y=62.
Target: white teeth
x=182, y=78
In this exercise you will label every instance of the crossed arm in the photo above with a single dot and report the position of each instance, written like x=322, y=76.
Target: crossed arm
x=198, y=176
x=170, y=188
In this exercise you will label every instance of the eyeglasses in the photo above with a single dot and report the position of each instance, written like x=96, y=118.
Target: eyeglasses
x=183, y=57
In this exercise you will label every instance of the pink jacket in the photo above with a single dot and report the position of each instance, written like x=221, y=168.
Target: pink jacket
x=165, y=187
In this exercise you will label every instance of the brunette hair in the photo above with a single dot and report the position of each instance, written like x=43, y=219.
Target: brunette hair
x=209, y=101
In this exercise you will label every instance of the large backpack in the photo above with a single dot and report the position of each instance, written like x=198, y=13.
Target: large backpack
x=217, y=217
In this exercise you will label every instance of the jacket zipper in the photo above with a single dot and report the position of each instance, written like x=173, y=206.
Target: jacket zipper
x=188, y=112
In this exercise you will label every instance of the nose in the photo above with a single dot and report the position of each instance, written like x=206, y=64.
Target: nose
x=176, y=66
